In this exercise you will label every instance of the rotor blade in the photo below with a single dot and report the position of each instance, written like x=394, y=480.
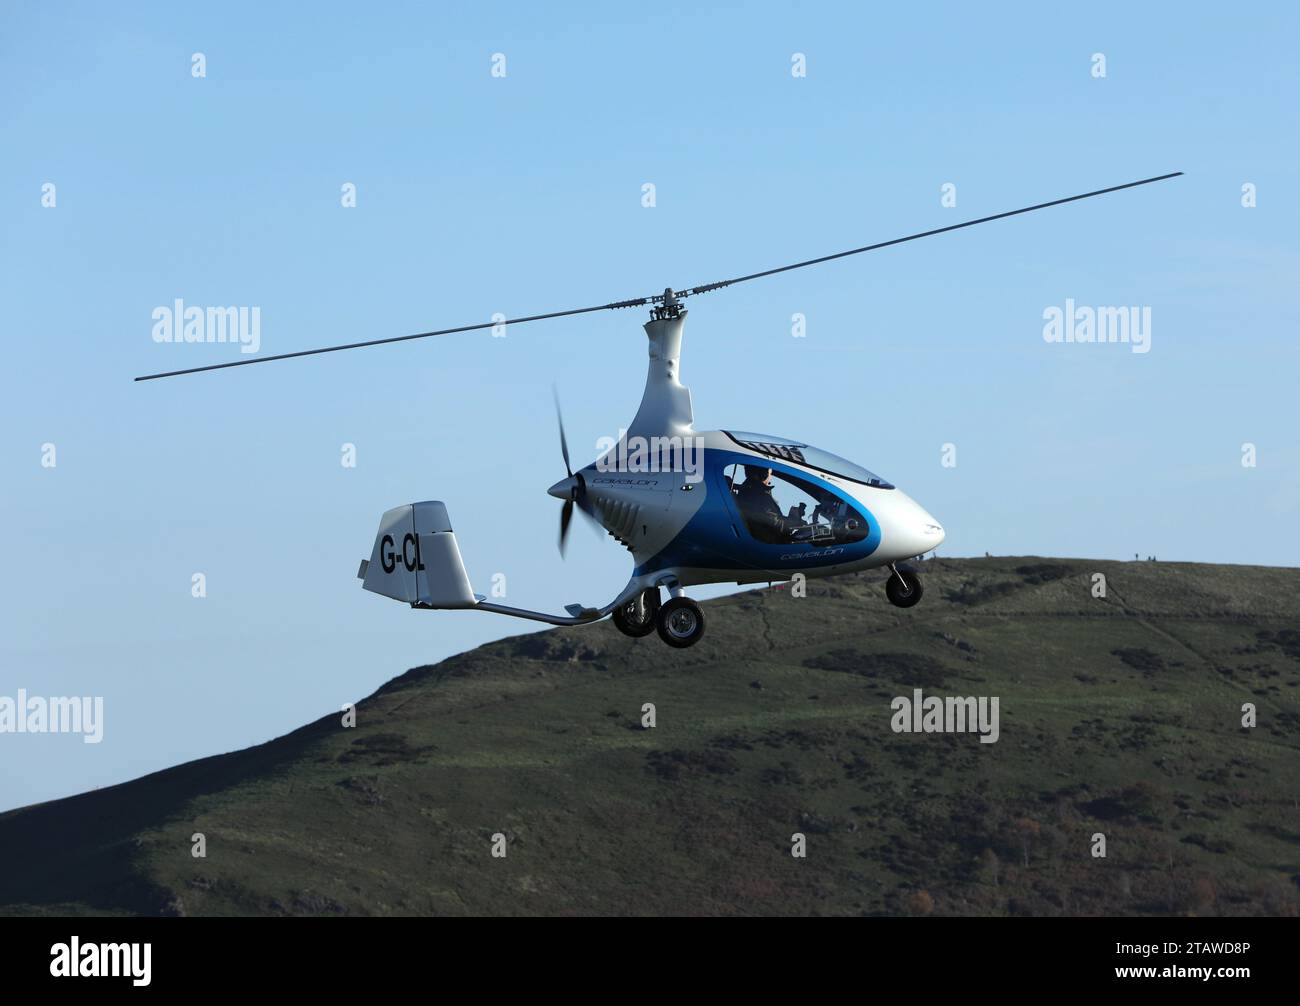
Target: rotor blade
x=636, y=302
x=564, y=441
x=660, y=298
x=923, y=234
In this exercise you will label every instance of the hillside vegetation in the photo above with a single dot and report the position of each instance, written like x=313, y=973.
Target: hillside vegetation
x=1119, y=716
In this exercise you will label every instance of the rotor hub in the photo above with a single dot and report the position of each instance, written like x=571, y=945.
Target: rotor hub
x=668, y=307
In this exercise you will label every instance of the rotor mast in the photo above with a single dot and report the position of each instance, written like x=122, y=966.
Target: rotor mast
x=665, y=409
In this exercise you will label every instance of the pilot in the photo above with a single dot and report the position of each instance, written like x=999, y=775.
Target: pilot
x=762, y=513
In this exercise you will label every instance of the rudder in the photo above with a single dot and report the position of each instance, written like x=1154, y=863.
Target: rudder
x=416, y=559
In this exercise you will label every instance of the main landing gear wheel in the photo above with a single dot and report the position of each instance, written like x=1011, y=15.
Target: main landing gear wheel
x=680, y=622
x=637, y=617
x=903, y=589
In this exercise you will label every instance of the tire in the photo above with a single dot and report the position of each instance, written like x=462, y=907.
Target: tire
x=680, y=623
x=903, y=589
x=638, y=617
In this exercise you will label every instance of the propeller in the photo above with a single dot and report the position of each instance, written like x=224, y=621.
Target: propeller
x=578, y=490
x=666, y=301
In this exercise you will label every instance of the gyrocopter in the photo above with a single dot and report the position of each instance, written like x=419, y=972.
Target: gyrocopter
x=692, y=507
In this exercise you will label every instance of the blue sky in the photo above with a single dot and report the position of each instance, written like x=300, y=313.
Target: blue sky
x=522, y=194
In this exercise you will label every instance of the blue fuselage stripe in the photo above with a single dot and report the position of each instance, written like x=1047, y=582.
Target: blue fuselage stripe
x=716, y=536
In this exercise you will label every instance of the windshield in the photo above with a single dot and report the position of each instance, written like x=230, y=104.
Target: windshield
x=802, y=454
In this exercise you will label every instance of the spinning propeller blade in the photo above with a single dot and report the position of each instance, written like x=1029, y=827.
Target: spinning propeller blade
x=566, y=515
x=564, y=441
x=668, y=296
x=578, y=494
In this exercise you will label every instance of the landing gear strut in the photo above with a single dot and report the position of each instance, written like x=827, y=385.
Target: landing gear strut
x=680, y=622
x=637, y=617
x=903, y=588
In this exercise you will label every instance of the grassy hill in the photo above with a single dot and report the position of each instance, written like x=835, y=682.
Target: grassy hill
x=1119, y=715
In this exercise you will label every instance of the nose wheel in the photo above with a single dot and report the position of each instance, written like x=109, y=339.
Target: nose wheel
x=638, y=617
x=903, y=588
x=680, y=623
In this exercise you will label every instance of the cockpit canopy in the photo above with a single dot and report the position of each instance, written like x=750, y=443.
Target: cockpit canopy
x=781, y=449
